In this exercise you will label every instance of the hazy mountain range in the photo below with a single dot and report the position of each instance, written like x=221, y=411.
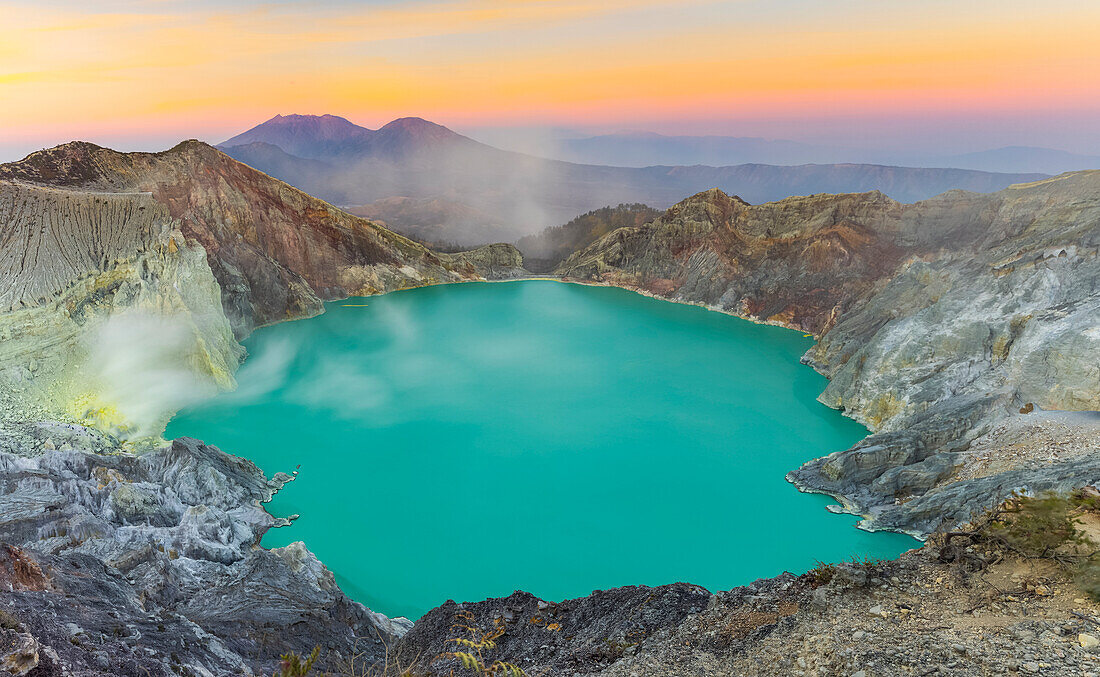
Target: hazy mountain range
x=458, y=190
x=642, y=149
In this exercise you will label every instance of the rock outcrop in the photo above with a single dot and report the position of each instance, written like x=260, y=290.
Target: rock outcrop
x=150, y=565
x=937, y=321
x=912, y=616
x=493, y=261
x=80, y=273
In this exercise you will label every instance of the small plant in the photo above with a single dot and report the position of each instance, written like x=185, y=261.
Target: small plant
x=822, y=574
x=867, y=563
x=470, y=650
x=1036, y=526
x=294, y=666
x=365, y=664
x=1087, y=577
x=1033, y=527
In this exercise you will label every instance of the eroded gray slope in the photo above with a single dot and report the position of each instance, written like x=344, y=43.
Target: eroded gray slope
x=49, y=238
x=937, y=320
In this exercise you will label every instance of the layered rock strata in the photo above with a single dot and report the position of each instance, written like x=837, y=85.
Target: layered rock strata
x=937, y=321
x=96, y=288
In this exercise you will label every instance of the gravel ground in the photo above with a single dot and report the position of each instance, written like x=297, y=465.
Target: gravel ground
x=912, y=616
x=1040, y=438
x=915, y=615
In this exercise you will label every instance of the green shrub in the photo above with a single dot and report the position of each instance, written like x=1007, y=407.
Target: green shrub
x=1036, y=526
x=294, y=666
x=1033, y=527
x=821, y=574
x=1087, y=577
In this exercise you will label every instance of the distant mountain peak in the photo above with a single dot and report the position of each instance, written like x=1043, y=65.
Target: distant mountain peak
x=327, y=137
x=309, y=136
x=411, y=122
x=416, y=131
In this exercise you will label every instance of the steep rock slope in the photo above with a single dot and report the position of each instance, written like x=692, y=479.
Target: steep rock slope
x=276, y=252
x=795, y=262
x=93, y=288
x=937, y=320
x=916, y=615
x=149, y=565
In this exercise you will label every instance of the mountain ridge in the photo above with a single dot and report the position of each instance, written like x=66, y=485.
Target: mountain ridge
x=276, y=251
x=524, y=194
x=330, y=137
x=644, y=149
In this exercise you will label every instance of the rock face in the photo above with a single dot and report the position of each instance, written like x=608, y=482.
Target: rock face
x=81, y=273
x=792, y=262
x=937, y=320
x=276, y=252
x=582, y=635
x=553, y=245
x=48, y=238
x=136, y=565
x=493, y=261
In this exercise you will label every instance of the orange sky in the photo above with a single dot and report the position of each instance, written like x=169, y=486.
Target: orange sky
x=166, y=69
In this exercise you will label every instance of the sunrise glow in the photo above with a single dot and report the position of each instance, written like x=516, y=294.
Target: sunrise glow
x=172, y=69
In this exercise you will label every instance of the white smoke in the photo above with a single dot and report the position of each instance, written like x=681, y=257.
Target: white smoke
x=142, y=368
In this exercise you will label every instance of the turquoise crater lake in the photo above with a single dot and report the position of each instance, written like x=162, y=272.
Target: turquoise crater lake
x=464, y=441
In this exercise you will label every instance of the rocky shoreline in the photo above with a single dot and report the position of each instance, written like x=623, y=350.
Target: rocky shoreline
x=936, y=322
x=912, y=616
x=119, y=564
x=953, y=328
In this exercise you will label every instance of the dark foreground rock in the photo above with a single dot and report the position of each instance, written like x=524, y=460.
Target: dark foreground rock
x=917, y=615
x=151, y=565
x=582, y=635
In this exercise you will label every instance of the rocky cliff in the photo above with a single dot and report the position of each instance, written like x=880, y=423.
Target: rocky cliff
x=937, y=322
x=109, y=315
x=276, y=252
